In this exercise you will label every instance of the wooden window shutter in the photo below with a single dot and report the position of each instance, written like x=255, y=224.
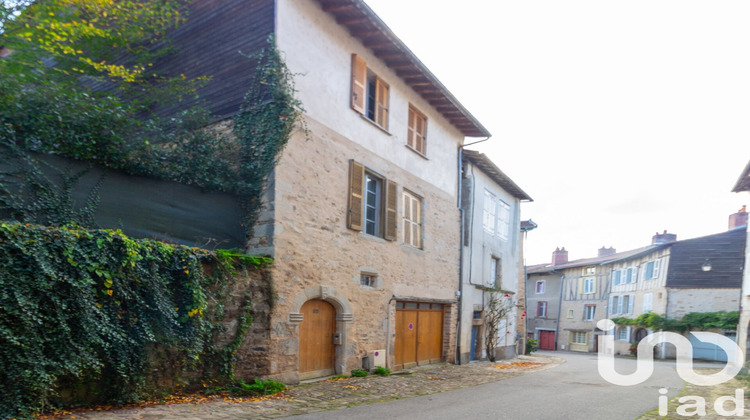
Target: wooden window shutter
x=356, y=193
x=359, y=84
x=391, y=204
x=381, y=106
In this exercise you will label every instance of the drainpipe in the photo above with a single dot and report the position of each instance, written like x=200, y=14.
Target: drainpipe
x=460, y=166
x=559, y=311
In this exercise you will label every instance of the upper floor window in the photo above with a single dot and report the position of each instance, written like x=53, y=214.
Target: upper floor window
x=412, y=220
x=651, y=270
x=496, y=276
x=589, y=285
x=616, y=277
x=539, y=287
x=541, y=309
x=648, y=302
x=370, y=94
x=372, y=203
x=417, y=132
x=589, y=271
x=588, y=312
x=629, y=275
x=496, y=216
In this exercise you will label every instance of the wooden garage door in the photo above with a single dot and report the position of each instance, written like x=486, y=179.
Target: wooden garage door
x=419, y=334
x=316, y=349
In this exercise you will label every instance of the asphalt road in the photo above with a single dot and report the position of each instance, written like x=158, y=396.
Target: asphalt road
x=573, y=390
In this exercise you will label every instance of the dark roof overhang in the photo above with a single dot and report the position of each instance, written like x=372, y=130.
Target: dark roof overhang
x=743, y=183
x=363, y=24
x=487, y=166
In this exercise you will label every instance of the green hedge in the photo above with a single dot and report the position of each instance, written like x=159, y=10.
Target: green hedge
x=80, y=306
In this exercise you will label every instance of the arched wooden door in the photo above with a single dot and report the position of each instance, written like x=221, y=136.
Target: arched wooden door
x=316, y=349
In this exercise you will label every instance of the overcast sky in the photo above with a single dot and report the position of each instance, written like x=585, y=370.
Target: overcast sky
x=619, y=118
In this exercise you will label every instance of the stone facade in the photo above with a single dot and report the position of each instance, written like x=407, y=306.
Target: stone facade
x=318, y=257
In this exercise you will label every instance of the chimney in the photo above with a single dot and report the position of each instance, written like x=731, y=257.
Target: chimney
x=663, y=238
x=606, y=252
x=560, y=256
x=738, y=219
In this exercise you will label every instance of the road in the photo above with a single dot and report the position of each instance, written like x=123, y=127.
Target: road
x=573, y=390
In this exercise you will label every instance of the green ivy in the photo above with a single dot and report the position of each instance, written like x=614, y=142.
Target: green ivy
x=69, y=121
x=693, y=321
x=88, y=306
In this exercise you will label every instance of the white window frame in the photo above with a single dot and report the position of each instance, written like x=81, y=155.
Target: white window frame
x=496, y=216
x=614, y=302
x=616, y=277
x=589, y=311
x=623, y=334
x=589, y=285
x=541, y=309
x=574, y=335
x=648, y=302
x=654, y=270
x=411, y=232
x=539, y=287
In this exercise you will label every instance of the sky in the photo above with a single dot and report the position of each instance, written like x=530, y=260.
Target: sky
x=619, y=118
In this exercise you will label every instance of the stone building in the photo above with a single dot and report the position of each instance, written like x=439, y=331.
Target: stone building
x=361, y=212
x=670, y=278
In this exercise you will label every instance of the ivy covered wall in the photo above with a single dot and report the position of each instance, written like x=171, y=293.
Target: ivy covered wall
x=96, y=310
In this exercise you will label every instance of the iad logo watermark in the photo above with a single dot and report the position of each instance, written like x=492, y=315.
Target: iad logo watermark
x=684, y=367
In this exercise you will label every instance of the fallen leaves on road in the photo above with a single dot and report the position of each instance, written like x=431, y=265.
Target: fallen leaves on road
x=435, y=378
x=518, y=365
x=352, y=387
x=169, y=400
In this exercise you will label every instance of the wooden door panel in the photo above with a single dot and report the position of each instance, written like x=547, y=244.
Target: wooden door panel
x=316, y=349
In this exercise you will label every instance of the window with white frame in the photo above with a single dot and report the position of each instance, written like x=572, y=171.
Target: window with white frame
x=412, y=219
x=541, y=309
x=616, y=277
x=623, y=334
x=578, y=337
x=648, y=302
x=589, y=271
x=651, y=270
x=570, y=313
x=627, y=304
x=614, y=302
x=589, y=285
x=496, y=216
x=628, y=275
x=588, y=312
x=539, y=288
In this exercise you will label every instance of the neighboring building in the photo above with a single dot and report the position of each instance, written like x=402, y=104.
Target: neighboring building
x=670, y=278
x=543, y=286
x=743, y=185
x=492, y=259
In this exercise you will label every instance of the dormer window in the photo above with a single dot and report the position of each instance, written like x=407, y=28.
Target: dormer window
x=370, y=94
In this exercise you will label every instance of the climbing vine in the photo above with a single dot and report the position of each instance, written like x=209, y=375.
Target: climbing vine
x=693, y=321
x=105, y=130
x=88, y=306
